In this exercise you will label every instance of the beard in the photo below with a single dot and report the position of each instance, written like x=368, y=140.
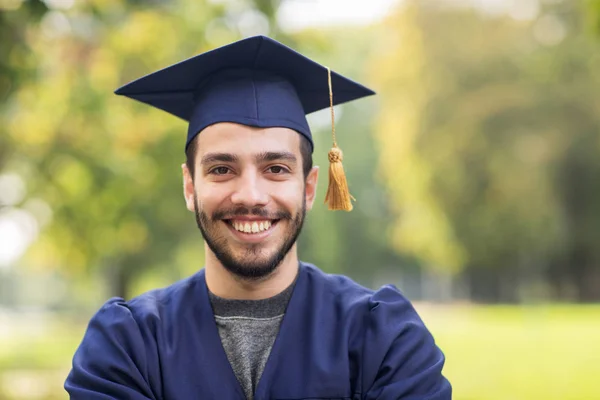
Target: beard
x=253, y=262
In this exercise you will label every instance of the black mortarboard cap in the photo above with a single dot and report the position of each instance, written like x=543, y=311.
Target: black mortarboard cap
x=256, y=81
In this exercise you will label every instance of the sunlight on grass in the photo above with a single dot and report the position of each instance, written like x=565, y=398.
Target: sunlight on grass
x=519, y=353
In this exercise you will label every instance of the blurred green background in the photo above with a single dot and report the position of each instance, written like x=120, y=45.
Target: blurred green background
x=476, y=171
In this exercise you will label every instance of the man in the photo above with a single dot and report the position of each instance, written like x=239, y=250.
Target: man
x=255, y=323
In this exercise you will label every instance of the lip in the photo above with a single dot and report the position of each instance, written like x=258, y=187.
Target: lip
x=250, y=237
x=249, y=218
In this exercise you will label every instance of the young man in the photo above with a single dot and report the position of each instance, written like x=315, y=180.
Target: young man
x=255, y=323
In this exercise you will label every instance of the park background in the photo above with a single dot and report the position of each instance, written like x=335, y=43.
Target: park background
x=476, y=170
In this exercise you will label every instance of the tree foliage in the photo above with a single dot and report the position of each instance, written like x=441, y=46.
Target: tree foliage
x=108, y=167
x=488, y=130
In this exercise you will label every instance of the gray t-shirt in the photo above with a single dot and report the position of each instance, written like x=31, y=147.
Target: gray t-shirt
x=248, y=329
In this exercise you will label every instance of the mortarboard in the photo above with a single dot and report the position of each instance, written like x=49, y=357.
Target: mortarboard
x=256, y=82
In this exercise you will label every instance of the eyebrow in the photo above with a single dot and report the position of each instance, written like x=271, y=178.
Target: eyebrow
x=266, y=156
x=218, y=157
x=276, y=156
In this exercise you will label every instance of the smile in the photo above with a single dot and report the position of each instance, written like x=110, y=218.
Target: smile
x=251, y=227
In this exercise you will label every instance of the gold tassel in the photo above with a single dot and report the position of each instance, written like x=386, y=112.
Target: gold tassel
x=338, y=196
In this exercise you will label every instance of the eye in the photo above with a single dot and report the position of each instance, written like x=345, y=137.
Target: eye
x=277, y=169
x=219, y=170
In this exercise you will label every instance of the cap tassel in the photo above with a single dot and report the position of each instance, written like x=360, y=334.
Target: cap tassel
x=338, y=196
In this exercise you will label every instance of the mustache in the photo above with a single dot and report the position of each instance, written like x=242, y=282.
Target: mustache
x=245, y=212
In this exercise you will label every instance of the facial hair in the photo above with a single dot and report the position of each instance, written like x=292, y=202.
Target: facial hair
x=252, y=265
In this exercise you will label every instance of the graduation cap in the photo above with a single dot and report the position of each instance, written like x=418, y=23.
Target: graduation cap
x=256, y=82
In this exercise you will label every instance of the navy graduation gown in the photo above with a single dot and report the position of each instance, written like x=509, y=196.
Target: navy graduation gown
x=338, y=340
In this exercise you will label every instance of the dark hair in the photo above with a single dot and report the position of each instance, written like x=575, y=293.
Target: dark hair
x=305, y=152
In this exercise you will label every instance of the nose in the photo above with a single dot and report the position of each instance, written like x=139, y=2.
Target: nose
x=248, y=192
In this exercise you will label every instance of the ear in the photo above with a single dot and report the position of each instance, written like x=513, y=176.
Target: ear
x=188, y=187
x=311, y=187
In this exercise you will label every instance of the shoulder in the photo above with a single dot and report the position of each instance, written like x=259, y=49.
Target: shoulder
x=334, y=284
x=130, y=327
x=151, y=308
x=173, y=298
x=350, y=292
x=382, y=315
x=398, y=354
x=119, y=353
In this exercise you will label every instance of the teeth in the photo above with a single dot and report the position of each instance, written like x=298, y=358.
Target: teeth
x=251, y=227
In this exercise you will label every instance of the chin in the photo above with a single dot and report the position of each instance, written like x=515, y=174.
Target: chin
x=252, y=270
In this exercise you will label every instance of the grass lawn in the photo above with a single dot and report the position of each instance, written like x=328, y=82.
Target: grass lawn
x=519, y=353
x=492, y=353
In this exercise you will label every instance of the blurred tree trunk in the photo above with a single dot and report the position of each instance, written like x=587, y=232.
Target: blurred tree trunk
x=559, y=281
x=120, y=280
x=586, y=276
x=493, y=285
x=579, y=186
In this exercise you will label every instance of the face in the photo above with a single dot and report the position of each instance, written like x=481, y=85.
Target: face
x=249, y=195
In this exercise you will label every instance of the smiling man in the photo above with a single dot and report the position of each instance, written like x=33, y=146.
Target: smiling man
x=255, y=323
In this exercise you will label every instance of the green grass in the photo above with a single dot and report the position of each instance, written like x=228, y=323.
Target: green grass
x=519, y=353
x=492, y=353
x=36, y=358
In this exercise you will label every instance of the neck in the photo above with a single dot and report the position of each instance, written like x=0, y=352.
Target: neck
x=224, y=284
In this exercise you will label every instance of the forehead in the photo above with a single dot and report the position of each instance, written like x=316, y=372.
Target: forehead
x=229, y=137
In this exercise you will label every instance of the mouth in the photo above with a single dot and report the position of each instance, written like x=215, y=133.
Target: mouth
x=251, y=229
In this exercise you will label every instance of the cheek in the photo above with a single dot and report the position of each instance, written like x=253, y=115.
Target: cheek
x=210, y=196
x=288, y=194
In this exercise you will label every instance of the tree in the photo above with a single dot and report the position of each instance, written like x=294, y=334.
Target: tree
x=487, y=130
x=109, y=167
x=15, y=65
x=593, y=13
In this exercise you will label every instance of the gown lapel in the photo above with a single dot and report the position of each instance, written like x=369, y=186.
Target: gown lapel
x=219, y=375
x=285, y=356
